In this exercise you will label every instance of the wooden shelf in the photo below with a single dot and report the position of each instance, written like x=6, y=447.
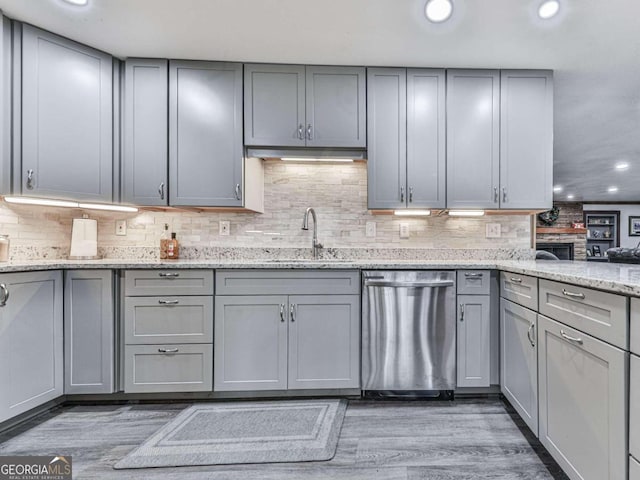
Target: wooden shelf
x=573, y=231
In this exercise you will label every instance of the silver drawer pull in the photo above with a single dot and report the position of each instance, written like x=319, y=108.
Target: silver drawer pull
x=169, y=275
x=529, y=331
x=282, y=312
x=473, y=275
x=462, y=312
x=572, y=295
x=571, y=339
x=516, y=280
x=168, y=350
x=5, y=294
x=168, y=302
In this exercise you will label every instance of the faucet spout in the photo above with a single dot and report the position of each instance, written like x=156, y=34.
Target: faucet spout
x=315, y=245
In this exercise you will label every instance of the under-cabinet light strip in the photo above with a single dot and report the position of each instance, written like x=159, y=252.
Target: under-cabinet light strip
x=48, y=202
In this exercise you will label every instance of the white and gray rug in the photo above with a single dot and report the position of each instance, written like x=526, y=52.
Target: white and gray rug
x=244, y=432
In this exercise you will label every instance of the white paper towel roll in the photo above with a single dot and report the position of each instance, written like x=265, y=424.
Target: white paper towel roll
x=84, y=238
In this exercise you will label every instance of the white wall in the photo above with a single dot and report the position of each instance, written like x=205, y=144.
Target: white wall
x=626, y=210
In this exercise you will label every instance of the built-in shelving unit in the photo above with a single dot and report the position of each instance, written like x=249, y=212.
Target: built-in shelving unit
x=603, y=233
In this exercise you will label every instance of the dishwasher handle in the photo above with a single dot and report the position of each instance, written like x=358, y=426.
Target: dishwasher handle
x=393, y=284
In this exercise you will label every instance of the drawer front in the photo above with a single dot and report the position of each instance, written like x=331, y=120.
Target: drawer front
x=168, y=282
x=287, y=282
x=520, y=289
x=634, y=469
x=474, y=282
x=168, y=368
x=153, y=320
x=635, y=326
x=634, y=407
x=603, y=315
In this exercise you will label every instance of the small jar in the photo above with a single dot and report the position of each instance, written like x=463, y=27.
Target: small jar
x=4, y=248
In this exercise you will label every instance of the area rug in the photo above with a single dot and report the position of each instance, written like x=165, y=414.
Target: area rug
x=244, y=432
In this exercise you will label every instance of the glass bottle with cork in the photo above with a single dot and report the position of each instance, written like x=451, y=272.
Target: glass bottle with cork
x=173, y=248
x=164, y=242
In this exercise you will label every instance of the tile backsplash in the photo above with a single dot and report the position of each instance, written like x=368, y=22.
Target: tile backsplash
x=338, y=193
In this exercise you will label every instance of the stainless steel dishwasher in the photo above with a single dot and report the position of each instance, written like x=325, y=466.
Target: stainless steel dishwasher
x=408, y=333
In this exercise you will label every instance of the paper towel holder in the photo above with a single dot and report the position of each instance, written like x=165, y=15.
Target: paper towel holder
x=84, y=239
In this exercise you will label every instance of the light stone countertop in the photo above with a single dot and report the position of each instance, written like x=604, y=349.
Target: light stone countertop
x=617, y=278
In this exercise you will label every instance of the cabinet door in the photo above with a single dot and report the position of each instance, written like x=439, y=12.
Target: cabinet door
x=67, y=121
x=582, y=402
x=274, y=105
x=526, y=139
x=145, y=132
x=250, y=343
x=519, y=365
x=324, y=341
x=205, y=134
x=634, y=406
x=31, y=344
x=473, y=138
x=426, y=161
x=387, y=138
x=336, y=110
x=88, y=331
x=474, y=339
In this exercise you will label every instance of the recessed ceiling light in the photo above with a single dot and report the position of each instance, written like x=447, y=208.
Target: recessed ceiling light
x=622, y=166
x=557, y=188
x=548, y=9
x=570, y=197
x=612, y=189
x=78, y=3
x=438, y=11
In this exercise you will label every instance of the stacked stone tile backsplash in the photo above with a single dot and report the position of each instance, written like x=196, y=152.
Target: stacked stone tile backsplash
x=338, y=192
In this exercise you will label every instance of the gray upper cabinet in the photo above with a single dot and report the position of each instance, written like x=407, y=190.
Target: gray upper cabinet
x=145, y=132
x=526, y=139
x=67, y=118
x=473, y=138
x=297, y=106
x=205, y=134
x=386, y=133
x=406, y=138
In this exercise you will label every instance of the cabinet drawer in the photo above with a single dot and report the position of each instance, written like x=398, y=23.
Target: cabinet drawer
x=474, y=282
x=520, y=289
x=152, y=320
x=635, y=326
x=634, y=469
x=287, y=282
x=168, y=282
x=634, y=407
x=168, y=368
x=603, y=315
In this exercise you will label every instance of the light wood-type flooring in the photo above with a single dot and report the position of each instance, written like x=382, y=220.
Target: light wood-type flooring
x=380, y=439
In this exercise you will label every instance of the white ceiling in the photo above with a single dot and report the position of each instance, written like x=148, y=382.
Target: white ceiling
x=593, y=46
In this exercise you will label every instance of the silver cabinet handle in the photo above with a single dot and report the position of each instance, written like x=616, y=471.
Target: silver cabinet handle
x=5, y=294
x=402, y=194
x=529, y=331
x=410, y=194
x=393, y=284
x=462, y=312
x=309, y=132
x=495, y=194
x=572, y=295
x=282, y=312
x=473, y=275
x=169, y=275
x=292, y=312
x=161, y=190
x=168, y=350
x=504, y=194
x=30, y=179
x=300, y=132
x=570, y=338
x=516, y=280
x=237, y=190
x=168, y=302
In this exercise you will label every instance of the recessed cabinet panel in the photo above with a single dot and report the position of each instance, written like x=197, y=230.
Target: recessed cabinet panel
x=474, y=282
x=145, y=132
x=634, y=407
x=386, y=133
x=635, y=326
x=168, y=282
x=474, y=330
x=520, y=289
x=205, y=134
x=66, y=118
x=473, y=138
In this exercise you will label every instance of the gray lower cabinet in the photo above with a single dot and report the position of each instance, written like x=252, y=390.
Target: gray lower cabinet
x=205, y=134
x=406, y=138
x=634, y=407
x=582, y=397
x=67, y=122
x=634, y=469
x=473, y=138
x=526, y=139
x=519, y=360
x=31, y=343
x=474, y=340
x=145, y=132
x=89, y=335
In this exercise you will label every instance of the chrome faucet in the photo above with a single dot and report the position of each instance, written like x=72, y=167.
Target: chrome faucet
x=305, y=226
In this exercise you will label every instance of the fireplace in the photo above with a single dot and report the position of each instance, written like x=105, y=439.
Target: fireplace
x=564, y=251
